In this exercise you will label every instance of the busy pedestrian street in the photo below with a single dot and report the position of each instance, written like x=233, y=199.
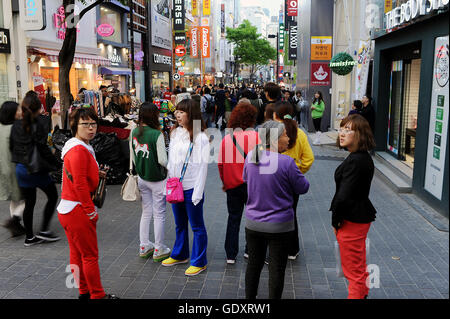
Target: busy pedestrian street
x=411, y=253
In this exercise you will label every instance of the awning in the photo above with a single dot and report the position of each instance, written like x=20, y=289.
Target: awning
x=114, y=71
x=52, y=55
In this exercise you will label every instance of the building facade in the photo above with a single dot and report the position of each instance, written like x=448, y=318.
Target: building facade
x=410, y=86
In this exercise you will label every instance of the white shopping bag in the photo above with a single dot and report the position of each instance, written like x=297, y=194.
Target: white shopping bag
x=337, y=254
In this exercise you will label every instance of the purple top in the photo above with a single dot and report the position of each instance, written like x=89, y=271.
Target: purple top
x=271, y=186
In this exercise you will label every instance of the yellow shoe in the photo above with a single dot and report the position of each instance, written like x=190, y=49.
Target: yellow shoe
x=193, y=271
x=172, y=262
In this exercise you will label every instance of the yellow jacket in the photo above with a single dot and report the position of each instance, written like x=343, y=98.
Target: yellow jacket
x=301, y=152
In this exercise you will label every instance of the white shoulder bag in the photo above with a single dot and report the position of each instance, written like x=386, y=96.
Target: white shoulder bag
x=130, y=190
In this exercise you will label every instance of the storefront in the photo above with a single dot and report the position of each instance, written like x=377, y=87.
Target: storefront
x=411, y=67
x=112, y=37
x=161, y=66
x=43, y=51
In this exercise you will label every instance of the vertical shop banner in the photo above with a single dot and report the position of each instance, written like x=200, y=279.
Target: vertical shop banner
x=281, y=37
x=205, y=43
x=178, y=15
x=206, y=7
x=292, y=7
x=293, y=41
x=320, y=74
x=362, y=69
x=161, y=33
x=222, y=64
x=387, y=6
x=222, y=19
x=195, y=7
x=288, y=19
x=438, y=129
x=32, y=15
x=194, y=41
x=321, y=48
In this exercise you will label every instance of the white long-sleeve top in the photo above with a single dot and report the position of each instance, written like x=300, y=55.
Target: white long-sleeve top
x=197, y=169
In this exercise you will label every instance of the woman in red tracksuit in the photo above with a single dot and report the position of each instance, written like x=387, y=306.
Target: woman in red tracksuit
x=76, y=211
x=352, y=211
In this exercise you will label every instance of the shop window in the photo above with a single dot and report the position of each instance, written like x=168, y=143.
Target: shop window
x=113, y=18
x=3, y=79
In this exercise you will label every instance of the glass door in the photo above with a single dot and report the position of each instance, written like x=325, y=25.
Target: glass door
x=395, y=108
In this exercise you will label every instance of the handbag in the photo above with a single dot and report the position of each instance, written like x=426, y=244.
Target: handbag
x=130, y=190
x=99, y=195
x=174, y=187
x=337, y=254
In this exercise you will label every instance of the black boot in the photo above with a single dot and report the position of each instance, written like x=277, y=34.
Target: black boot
x=84, y=296
x=14, y=226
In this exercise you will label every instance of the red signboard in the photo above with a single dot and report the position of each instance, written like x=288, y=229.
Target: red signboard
x=320, y=74
x=194, y=42
x=205, y=42
x=180, y=50
x=292, y=6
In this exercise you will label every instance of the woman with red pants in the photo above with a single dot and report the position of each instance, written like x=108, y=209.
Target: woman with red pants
x=76, y=211
x=352, y=211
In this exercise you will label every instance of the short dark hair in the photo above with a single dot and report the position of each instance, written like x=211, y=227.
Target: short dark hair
x=358, y=104
x=102, y=87
x=8, y=112
x=220, y=85
x=83, y=113
x=207, y=90
x=273, y=90
x=363, y=132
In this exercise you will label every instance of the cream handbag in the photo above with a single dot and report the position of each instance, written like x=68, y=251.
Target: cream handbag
x=130, y=190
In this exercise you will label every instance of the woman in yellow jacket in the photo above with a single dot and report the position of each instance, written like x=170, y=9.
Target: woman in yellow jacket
x=300, y=150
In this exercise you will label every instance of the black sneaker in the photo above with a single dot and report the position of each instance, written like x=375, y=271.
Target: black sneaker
x=32, y=241
x=109, y=296
x=47, y=236
x=84, y=296
x=14, y=226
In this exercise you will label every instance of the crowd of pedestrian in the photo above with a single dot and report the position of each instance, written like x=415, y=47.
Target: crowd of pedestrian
x=263, y=162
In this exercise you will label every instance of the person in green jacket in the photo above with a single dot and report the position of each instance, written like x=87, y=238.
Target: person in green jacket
x=150, y=158
x=317, y=108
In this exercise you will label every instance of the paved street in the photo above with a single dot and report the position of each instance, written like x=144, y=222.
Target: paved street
x=412, y=255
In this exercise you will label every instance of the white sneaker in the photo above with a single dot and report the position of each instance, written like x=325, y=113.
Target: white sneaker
x=161, y=254
x=231, y=261
x=245, y=255
x=146, y=251
x=294, y=257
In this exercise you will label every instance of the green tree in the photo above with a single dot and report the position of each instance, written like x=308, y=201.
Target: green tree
x=250, y=48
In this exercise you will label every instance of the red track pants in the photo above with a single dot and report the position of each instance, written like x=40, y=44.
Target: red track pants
x=352, y=244
x=81, y=234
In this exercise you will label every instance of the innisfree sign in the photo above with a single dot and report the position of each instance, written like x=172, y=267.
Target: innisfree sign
x=342, y=63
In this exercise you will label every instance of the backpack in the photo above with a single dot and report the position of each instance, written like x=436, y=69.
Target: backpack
x=209, y=108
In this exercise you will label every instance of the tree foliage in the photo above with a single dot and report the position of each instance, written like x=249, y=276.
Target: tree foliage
x=250, y=48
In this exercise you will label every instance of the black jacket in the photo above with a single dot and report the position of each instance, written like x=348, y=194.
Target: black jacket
x=369, y=114
x=351, y=200
x=219, y=99
x=21, y=143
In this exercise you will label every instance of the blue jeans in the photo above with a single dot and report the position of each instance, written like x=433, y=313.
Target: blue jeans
x=184, y=212
x=208, y=119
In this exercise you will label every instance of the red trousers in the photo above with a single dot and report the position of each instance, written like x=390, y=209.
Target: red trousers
x=81, y=234
x=352, y=245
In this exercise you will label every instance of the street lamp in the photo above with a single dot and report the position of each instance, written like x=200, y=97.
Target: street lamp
x=272, y=36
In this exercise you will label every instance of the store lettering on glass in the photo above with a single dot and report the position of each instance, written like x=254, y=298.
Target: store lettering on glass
x=60, y=24
x=115, y=58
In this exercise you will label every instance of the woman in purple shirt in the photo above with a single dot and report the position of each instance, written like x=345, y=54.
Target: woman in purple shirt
x=272, y=180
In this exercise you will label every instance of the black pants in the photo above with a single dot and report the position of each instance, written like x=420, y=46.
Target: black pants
x=29, y=194
x=317, y=123
x=278, y=252
x=294, y=246
x=236, y=200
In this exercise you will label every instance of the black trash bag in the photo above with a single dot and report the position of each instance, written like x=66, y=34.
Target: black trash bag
x=108, y=151
x=59, y=138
